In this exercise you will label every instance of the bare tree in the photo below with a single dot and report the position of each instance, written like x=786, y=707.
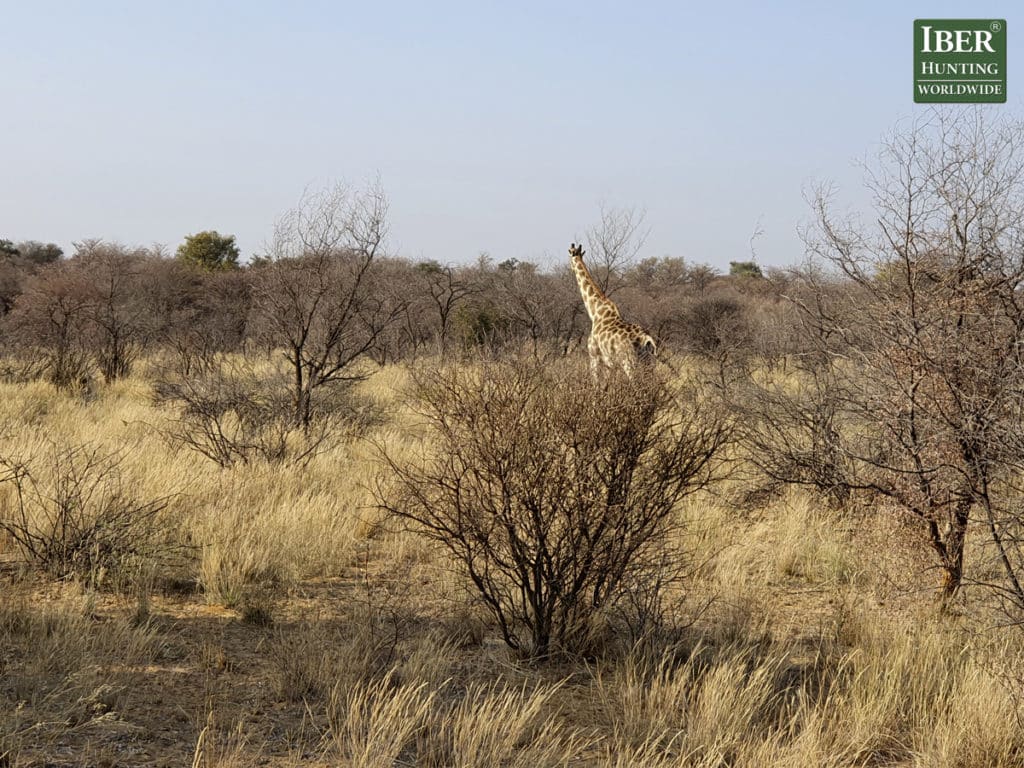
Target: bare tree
x=197, y=313
x=50, y=320
x=12, y=277
x=430, y=296
x=924, y=379
x=321, y=300
x=614, y=243
x=17, y=263
x=447, y=287
x=121, y=322
x=89, y=311
x=543, y=310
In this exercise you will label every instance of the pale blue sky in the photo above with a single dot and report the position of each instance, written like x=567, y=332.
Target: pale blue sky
x=497, y=127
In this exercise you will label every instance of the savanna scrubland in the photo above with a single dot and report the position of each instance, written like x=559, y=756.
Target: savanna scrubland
x=338, y=508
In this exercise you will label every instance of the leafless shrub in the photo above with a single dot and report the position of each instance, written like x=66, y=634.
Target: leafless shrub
x=199, y=314
x=713, y=323
x=21, y=370
x=542, y=311
x=84, y=314
x=429, y=294
x=17, y=263
x=74, y=515
x=789, y=418
x=233, y=412
x=553, y=493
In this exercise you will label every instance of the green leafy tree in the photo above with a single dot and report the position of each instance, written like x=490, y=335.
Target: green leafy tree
x=210, y=250
x=745, y=269
x=36, y=254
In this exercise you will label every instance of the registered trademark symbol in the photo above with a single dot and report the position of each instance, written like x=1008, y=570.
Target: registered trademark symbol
x=995, y=26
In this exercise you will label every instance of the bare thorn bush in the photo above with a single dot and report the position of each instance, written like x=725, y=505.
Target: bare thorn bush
x=237, y=410
x=553, y=493
x=73, y=514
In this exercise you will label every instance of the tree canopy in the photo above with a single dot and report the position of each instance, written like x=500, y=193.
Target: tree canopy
x=210, y=250
x=745, y=269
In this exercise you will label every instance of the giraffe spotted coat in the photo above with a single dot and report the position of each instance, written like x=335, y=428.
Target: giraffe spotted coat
x=613, y=342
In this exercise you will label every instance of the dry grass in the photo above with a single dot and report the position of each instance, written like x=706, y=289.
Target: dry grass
x=65, y=672
x=372, y=655
x=811, y=544
x=909, y=699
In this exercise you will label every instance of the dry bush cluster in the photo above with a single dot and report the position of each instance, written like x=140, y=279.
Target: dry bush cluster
x=555, y=494
x=72, y=513
x=241, y=409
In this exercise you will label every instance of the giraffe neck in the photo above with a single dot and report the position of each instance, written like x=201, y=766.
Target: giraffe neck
x=598, y=305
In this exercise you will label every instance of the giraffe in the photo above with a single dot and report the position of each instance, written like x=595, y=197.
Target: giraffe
x=613, y=342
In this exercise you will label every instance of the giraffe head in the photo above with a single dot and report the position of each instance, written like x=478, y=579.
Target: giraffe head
x=576, y=252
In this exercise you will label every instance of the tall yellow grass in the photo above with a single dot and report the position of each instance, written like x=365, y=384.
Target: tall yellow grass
x=792, y=661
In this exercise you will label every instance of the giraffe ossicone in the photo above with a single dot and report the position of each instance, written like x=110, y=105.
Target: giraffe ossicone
x=613, y=343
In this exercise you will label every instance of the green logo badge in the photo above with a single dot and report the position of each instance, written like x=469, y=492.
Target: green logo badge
x=960, y=61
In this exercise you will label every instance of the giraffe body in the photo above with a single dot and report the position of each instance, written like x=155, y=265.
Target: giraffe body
x=613, y=343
